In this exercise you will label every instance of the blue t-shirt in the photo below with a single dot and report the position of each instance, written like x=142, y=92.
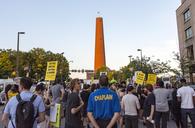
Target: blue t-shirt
x=10, y=108
x=103, y=103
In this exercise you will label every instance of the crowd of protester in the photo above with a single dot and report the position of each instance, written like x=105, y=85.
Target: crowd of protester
x=102, y=105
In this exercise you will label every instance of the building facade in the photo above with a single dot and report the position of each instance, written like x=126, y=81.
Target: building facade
x=186, y=34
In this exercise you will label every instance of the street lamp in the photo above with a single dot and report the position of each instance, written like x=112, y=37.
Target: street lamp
x=140, y=50
x=130, y=58
x=70, y=61
x=17, y=59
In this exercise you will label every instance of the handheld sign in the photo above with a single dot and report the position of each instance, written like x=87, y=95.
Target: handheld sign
x=151, y=79
x=51, y=70
x=56, y=121
x=140, y=77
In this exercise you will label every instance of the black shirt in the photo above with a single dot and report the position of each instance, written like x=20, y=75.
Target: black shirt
x=73, y=120
x=176, y=105
x=150, y=100
x=85, y=97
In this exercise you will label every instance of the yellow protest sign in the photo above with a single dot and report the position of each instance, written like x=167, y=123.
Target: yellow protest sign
x=51, y=70
x=151, y=79
x=140, y=77
x=57, y=123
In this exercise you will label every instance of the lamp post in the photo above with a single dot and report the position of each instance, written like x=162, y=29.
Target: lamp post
x=130, y=58
x=140, y=50
x=71, y=61
x=70, y=70
x=17, y=58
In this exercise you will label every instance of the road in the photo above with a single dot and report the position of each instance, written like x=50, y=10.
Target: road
x=171, y=124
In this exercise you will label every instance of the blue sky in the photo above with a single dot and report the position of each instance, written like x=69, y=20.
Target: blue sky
x=69, y=26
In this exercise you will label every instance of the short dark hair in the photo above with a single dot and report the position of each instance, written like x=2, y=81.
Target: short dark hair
x=183, y=80
x=130, y=88
x=123, y=82
x=73, y=83
x=123, y=90
x=93, y=87
x=149, y=87
x=15, y=88
x=86, y=86
x=40, y=87
x=26, y=82
x=161, y=84
x=103, y=80
x=57, y=81
x=7, y=88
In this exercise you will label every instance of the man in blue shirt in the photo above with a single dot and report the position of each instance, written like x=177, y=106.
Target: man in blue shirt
x=25, y=94
x=103, y=106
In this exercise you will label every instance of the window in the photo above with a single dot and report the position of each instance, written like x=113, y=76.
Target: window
x=188, y=33
x=187, y=15
x=190, y=52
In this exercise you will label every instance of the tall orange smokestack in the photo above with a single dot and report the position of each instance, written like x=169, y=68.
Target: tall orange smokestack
x=100, y=59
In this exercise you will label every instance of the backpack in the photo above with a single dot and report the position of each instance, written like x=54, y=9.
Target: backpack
x=25, y=113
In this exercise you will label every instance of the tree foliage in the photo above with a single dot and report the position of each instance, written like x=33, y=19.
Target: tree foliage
x=184, y=64
x=34, y=62
x=147, y=65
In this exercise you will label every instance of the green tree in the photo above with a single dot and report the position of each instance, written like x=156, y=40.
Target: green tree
x=183, y=62
x=148, y=66
x=34, y=62
x=6, y=66
x=102, y=69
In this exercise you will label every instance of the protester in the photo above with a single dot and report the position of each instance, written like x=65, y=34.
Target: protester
x=7, y=88
x=176, y=108
x=149, y=107
x=103, y=106
x=67, y=91
x=93, y=87
x=161, y=103
x=85, y=96
x=57, y=91
x=13, y=91
x=25, y=95
x=186, y=95
x=130, y=104
x=121, y=93
x=113, y=85
x=74, y=106
x=169, y=87
x=40, y=90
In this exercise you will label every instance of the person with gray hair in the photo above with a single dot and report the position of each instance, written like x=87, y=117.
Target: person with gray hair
x=57, y=91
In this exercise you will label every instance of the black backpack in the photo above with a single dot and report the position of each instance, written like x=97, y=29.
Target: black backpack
x=25, y=113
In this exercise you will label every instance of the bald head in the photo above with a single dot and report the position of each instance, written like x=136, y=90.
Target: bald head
x=103, y=80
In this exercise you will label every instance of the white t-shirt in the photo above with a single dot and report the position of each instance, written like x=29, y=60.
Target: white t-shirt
x=186, y=93
x=131, y=104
